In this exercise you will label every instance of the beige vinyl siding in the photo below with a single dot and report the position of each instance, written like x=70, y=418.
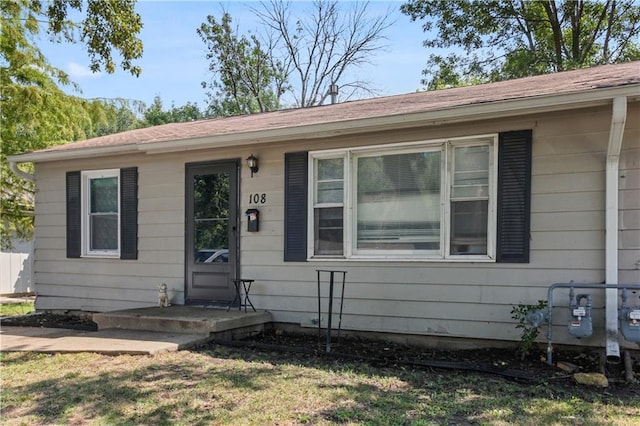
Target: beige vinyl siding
x=100, y=284
x=454, y=299
x=467, y=299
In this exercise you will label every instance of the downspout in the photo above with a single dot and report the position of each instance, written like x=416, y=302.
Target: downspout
x=618, y=120
x=24, y=175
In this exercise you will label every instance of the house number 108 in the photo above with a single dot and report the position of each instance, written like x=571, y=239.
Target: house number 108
x=257, y=198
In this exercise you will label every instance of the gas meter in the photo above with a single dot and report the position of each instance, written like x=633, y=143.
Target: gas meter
x=629, y=320
x=581, y=324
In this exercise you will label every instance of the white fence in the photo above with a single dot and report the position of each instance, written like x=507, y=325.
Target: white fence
x=16, y=269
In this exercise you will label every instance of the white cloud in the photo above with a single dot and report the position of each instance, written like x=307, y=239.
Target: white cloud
x=77, y=71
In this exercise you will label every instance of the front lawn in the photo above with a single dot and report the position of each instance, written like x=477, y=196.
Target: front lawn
x=15, y=309
x=221, y=385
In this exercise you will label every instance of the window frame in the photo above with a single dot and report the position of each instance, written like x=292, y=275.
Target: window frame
x=86, y=178
x=446, y=147
x=313, y=205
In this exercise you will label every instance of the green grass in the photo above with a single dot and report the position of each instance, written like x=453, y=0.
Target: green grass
x=13, y=309
x=232, y=387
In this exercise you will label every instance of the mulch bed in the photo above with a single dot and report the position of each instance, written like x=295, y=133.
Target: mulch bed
x=505, y=362
x=500, y=361
x=50, y=320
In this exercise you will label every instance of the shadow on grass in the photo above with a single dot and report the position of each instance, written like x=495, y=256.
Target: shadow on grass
x=431, y=396
x=229, y=386
x=163, y=393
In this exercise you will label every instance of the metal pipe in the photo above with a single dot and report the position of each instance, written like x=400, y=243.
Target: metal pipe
x=333, y=91
x=628, y=368
x=13, y=165
x=616, y=133
x=552, y=287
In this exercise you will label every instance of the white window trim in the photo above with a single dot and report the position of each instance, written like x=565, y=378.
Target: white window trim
x=312, y=194
x=493, y=199
x=349, y=236
x=87, y=176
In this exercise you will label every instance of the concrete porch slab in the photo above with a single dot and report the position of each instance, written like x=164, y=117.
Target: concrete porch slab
x=181, y=319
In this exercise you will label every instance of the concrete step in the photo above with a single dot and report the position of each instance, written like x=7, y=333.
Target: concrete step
x=184, y=319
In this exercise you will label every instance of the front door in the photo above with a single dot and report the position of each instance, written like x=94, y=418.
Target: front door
x=211, y=231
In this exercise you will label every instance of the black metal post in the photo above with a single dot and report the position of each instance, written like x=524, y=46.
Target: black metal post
x=319, y=312
x=344, y=274
x=330, y=307
x=328, y=346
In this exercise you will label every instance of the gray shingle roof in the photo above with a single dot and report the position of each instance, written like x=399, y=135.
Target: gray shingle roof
x=568, y=82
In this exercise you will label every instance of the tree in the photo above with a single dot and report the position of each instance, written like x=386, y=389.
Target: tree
x=107, y=26
x=303, y=56
x=320, y=46
x=154, y=115
x=34, y=111
x=107, y=116
x=246, y=79
x=504, y=39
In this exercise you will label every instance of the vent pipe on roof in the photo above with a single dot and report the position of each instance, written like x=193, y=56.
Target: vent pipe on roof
x=618, y=120
x=333, y=91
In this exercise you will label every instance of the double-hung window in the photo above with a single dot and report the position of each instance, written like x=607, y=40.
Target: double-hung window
x=102, y=213
x=101, y=226
x=422, y=200
x=455, y=199
x=328, y=205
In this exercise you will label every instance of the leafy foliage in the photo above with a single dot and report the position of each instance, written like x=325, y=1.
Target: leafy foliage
x=154, y=115
x=246, y=79
x=529, y=332
x=211, y=210
x=34, y=111
x=479, y=41
x=107, y=26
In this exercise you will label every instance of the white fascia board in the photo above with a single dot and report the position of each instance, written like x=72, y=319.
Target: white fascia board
x=465, y=113
x=72, y=154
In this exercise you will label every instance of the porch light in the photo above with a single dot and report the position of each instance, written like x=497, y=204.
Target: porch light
x=252, y=162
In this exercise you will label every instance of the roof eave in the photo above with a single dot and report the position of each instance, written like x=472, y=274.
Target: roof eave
x=464, y=113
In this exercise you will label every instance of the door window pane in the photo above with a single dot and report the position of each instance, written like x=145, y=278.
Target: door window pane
x=398, y=202
x=211, y=218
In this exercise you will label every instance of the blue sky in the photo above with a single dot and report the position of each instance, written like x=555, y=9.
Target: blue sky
x=174, y=62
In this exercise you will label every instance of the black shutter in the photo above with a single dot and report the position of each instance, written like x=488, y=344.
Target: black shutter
x=74, y=215
x=295, y=206
x=514, y=196
x=129, y=213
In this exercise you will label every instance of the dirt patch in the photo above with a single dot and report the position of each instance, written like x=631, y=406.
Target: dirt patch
x=50, y=320
x=501, y=361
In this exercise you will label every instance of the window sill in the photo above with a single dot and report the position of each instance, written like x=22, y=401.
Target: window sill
x=101, y=256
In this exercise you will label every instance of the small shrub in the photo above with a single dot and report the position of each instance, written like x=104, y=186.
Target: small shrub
x=529, y=332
